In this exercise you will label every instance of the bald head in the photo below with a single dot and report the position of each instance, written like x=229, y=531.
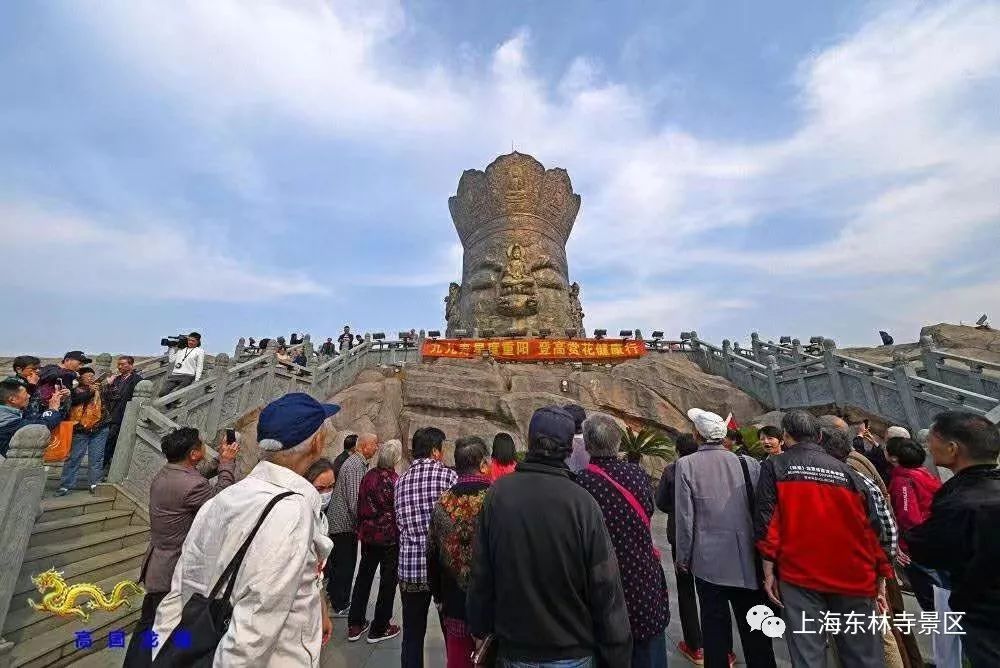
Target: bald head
x=833, y=422
x=367, y=445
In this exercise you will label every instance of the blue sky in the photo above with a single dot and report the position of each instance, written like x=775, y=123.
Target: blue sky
x=252, y=168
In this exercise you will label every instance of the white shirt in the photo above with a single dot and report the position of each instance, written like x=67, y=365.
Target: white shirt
x=191, y=361
x=277, y=614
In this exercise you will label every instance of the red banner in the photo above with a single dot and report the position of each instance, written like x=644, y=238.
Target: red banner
x=537, y=350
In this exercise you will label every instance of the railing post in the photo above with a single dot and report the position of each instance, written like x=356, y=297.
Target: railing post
x=931, y=370
x=796, y=351
x=420, y=345
x=833, y=369
x=755, y=346
x=726, y=352
x=272, y=365
x=22, y=484
x=219, y=385
x=772, y=381
x=102, y=364
x=240, y=347
x=122, y=459
x=902, y=373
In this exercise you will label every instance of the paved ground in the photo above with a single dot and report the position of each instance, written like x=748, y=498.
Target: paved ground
x=342, y=654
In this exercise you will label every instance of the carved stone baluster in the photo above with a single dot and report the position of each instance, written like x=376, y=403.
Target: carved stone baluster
x=219, y=386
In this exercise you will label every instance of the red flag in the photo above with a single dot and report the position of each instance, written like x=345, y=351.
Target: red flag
x=731, y=422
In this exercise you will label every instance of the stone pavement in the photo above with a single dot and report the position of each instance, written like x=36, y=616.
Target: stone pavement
x=342, y=654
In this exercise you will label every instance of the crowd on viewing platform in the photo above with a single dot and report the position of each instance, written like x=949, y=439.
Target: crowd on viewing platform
x=549, y=559
x=806, y=533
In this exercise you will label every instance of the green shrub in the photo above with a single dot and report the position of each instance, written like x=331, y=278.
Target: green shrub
x=648, y=442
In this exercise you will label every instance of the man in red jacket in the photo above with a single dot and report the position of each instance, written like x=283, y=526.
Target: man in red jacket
x=818, y=533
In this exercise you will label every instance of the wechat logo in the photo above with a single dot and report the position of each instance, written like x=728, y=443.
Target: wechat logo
x=760, y=618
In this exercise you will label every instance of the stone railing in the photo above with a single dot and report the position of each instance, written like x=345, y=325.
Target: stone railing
x=227, y=394
x=897, y=393
x=22, y=483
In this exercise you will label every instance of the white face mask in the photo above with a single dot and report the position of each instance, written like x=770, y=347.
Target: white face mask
x=324, y=499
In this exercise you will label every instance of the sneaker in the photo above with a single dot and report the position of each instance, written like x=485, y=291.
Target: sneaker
x=355, y=631
x=732, y=660
x=390, y=632
x=93, y=490
x=341, y=614
x=695, y=656
x=62, y=491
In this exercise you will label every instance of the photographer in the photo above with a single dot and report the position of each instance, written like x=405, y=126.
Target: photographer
x=187, y=358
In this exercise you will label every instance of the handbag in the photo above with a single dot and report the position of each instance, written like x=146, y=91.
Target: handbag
x=204, y=620
x=62, y=442
x=486, y=655
x=751, y=506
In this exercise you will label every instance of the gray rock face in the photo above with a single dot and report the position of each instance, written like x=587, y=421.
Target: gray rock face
x=482, y=397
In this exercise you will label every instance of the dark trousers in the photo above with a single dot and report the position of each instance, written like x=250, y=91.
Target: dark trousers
x=687, y=602
x=650, y=653
x=109, y=446
x=137, y=656
x=922, y=584
x=415, y=606
x=717, y=626
x=341, y=562
x=176, y=381
x=385, y=559
x=981, y=645
x=862, y=649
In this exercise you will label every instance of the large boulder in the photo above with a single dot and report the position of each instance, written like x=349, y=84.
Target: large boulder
x=482, y=397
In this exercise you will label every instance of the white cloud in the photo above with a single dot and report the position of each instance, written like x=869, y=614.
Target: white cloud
x=891, y=145
x=154, y=261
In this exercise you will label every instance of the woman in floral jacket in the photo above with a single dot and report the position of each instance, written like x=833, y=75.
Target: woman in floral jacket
x=449, y=545
x=379, y=540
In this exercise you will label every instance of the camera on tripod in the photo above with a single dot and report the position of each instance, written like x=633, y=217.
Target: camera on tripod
x=179, y=341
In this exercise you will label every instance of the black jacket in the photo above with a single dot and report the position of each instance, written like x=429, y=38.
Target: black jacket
x=544, y=576
x=962, y=537
x=665, y=500
x=117, y=395
x=876, y=455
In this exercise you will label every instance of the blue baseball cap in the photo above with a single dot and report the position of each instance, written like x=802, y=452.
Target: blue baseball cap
x=554, y=422
x=291, y=419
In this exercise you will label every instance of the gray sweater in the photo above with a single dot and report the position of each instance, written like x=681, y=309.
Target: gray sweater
x=714, y=526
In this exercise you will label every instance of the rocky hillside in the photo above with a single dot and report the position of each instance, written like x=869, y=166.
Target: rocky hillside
x=983, y=344
x=466, y=397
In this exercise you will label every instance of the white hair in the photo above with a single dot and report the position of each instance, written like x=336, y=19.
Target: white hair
x=897, y=432
x=389, y=454
x=601, y=435
x=272, y=449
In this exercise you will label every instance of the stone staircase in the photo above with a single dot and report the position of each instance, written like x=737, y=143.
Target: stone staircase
x=99, y=539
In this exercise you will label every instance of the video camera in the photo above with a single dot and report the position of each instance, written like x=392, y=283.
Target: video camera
x=179, y=341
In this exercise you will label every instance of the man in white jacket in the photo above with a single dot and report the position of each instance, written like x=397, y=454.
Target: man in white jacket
x=277, y=604
x=188, y=363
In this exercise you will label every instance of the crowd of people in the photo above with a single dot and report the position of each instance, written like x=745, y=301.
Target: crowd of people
x=69, y=392
x=549, y=559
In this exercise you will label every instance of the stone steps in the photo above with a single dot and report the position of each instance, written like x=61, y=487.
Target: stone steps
x=88, y=539
x=24, y=623
x=56, y=555
x=59, y=530
x=87, y=570
x=73, y=504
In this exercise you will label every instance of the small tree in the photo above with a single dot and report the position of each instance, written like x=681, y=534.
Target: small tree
x=648, y=442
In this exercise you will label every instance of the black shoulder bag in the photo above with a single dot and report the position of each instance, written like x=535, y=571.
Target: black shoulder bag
x=751, y=504
x=204, y=620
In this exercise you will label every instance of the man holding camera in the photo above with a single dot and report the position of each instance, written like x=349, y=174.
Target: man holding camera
x=188, y=360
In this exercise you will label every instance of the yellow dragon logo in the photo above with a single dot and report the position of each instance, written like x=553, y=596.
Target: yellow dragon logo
x=62, y=599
